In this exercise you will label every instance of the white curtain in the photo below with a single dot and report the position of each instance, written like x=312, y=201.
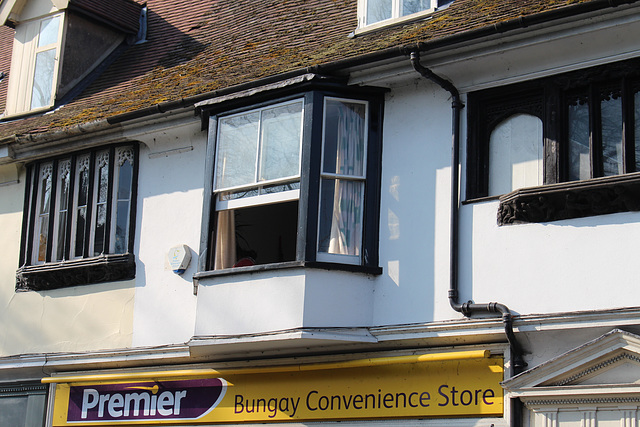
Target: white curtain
x=346, y=224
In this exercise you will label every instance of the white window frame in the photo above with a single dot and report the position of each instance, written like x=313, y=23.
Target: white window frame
x=326, y=256
x=23, y=63
x=396, y=15
x=260, y=199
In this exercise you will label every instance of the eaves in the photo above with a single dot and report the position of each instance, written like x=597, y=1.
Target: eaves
x=573, y=12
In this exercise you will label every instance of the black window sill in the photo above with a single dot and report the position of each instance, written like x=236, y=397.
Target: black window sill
x=579, y=199
x=288, y=265
x=100, y=269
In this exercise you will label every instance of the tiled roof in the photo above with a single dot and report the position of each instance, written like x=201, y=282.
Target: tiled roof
x=200, y=46
x=124, y=14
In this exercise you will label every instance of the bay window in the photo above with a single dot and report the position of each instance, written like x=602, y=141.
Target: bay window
x=295, y=180
x=78, y=212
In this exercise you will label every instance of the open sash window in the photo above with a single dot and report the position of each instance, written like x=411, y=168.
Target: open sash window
x=296, y=181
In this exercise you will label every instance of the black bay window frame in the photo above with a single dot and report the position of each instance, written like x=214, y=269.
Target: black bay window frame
x=313, y=95
x=88, y=268
x=548, y=99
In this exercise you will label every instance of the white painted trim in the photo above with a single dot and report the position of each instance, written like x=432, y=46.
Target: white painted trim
x=262, y=199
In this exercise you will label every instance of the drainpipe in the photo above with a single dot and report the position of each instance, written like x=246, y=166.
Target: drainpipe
x=469, y=308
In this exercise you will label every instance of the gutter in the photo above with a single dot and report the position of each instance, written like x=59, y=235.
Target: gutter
x=570, y=11
x=469, y=308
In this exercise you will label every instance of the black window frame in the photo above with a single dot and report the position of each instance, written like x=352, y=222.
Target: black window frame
x=313, y=93
x=76, y=270
x=547, y=98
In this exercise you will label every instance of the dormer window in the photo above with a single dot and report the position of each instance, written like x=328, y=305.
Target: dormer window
x=34, y=64
x=57, y=48
x=378, y=13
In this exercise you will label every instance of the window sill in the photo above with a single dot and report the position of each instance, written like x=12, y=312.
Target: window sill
x=287, y=265
x=100, y=269
x=554, y=202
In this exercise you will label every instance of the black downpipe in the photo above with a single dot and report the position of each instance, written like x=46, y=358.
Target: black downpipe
x=469, y=308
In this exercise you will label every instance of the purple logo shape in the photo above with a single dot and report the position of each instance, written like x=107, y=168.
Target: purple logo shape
x=150, y=400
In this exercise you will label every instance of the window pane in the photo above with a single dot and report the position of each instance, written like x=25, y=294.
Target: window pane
x=340, y=230
x=64, y=185
x=82, y=199
x=44, y=203
x=102, y=187
x=414, y=6
x=237, y=150
x=123, y=205
x=579, y=160
x=378, y=10
x=344, y=140
x=281, y=137
x=636, y=103
x=43, y=78
x=611, y=115
x=516, y=154
x=13, y=411
x=49, y=31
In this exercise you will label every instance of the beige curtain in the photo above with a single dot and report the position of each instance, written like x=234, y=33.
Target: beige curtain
x=225, y=240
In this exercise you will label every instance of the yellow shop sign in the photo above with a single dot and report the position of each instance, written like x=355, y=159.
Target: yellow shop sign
x=457, y=384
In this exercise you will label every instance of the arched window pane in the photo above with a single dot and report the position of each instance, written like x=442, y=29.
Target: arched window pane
x=516, y=154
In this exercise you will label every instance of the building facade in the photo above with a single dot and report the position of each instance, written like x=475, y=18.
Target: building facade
x=319, y=213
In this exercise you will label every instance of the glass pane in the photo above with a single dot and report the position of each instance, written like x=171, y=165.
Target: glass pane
x=102, y=189
x=82, y=199
x=62, y=231
x=636, y=103
x=81, y=222
x=122, y=227
x=44, y=238
x=125, y=174
x=101, y=218
x=579, y=160
x=64, y=186
x=344, y=140
x=49, y=31
x=280, y=145
x=611, y=115
x=43, y=78
x=13, y=411
x=516, y=154
x=121, y=235
x=44, y=198
x=414, y=6
x=281, y=187
x=340, y=230
x=237, y=150
x=378, y=10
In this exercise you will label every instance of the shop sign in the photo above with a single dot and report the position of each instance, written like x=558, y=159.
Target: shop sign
x=458, y=388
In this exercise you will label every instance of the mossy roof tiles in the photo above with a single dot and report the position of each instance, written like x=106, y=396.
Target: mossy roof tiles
x=200, y=46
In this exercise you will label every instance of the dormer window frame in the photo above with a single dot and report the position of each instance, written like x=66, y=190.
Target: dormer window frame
x=396, y=13
x=24, y=63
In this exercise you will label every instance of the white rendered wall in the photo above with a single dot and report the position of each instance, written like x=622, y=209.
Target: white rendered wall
x=414, y=214
x=281, y=300
x=170, y=192
x=82, y=318
x=581, y=264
